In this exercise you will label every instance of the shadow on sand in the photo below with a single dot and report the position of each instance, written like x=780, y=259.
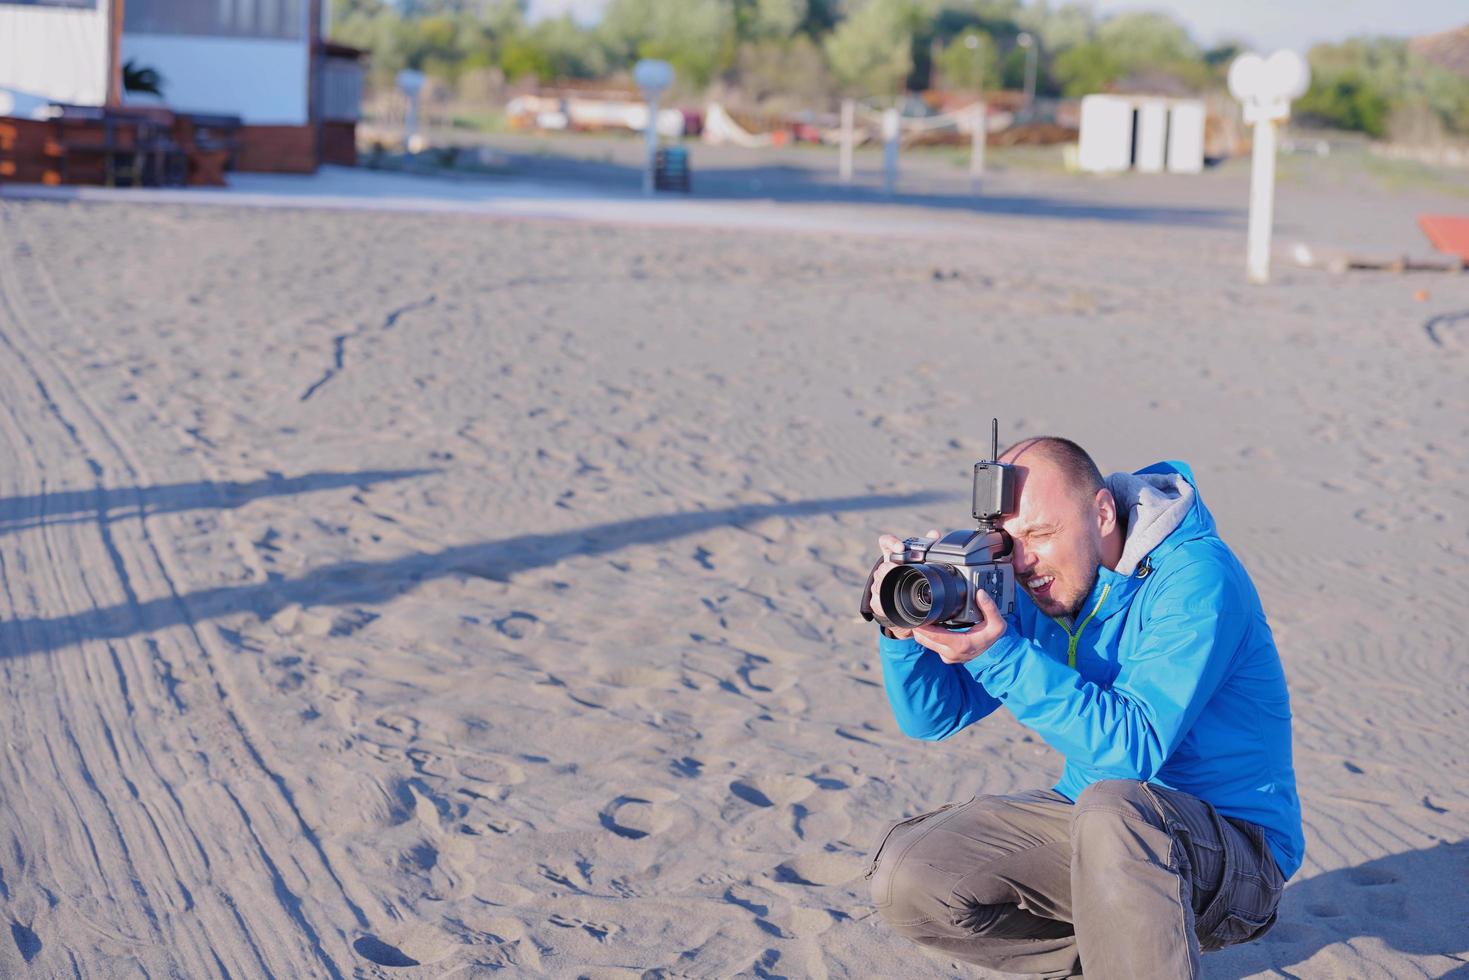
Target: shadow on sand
x=379, y=581
x=806, y=185
x=76, y=506
x=1415, y=903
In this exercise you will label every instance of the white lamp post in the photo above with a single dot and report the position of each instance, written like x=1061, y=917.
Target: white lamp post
x=1027, y=42
x=410, y=82
x=1265, y=87
x=653, y=77
x=981, y=124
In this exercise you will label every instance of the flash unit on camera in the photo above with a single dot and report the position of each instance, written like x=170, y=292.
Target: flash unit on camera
x=994, y=485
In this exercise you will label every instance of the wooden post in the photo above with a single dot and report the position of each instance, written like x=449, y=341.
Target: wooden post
x=977, y=140
x=849, y=140
x=114, y=52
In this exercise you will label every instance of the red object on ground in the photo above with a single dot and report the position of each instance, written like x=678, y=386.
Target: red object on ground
x=1448, y=233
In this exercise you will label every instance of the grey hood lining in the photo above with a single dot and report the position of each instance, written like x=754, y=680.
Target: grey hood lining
x=1154, y=505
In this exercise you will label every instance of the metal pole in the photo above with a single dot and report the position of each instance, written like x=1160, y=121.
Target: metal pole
x=410, y=123
x=1030, y=64
x=977, y=140
x=651, y=141
x=849, y=139
x=1027, y=41
x=1262, y=200
x=890, y=130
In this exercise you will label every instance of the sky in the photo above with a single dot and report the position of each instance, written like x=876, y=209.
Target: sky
x=1264, y=24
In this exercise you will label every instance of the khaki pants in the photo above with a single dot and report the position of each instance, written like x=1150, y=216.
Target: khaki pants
x=1130, y=881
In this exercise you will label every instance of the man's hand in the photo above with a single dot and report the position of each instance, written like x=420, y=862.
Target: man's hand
x=960, y=648
x=890, y=544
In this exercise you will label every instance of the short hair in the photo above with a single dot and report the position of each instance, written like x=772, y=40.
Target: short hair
x=1076, y=464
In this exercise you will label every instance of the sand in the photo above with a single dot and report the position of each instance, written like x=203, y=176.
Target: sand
x=414, y=595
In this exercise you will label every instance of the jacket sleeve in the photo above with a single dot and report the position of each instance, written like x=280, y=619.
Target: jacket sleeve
x=930, y=699
x=1129, y=730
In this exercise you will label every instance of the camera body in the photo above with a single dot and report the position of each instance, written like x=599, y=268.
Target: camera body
x=936, y=583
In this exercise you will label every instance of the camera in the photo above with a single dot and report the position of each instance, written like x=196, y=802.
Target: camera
x=934, y=583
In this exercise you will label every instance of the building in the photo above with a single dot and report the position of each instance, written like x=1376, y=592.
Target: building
x=266, y=62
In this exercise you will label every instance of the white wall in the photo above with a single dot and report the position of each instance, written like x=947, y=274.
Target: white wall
x=58, y=54
x=263, y=82
x=1106, y=134
x=1186, y=138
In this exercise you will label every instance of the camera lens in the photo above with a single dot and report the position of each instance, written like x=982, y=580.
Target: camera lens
x=917, y=595
x=920, y=596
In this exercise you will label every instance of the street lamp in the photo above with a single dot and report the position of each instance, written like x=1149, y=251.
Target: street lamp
x=1265, y=87
x=1026, y=41
x=653, y=77
x=410, y=83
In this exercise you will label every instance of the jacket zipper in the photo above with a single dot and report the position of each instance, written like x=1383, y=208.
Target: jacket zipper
x=1073, y=638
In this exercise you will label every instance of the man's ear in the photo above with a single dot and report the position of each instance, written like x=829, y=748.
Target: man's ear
x=1106, y=512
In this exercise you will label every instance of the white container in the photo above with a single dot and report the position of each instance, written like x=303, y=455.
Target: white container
x=1186, y=138
x=1106, y=134
x=1152, y=136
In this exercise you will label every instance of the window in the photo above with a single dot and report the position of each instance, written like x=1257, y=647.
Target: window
x=278, y=19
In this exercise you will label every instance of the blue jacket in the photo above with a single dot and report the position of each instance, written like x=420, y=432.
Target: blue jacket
x=1171, y=676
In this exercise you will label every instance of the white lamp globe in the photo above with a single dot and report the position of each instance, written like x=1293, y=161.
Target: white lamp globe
x=652, y=76
x=1246, y=77
x=1289, y=75
x=410, y=81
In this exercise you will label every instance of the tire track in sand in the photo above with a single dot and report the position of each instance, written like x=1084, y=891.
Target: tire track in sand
x=151, y=814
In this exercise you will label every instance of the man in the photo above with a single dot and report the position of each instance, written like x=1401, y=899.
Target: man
x=1139, y=651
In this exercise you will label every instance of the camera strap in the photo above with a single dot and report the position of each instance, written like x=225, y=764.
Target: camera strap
x=866, y=607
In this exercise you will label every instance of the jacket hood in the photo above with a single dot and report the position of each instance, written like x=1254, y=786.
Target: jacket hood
x=1163, y=511
x=1154, y=505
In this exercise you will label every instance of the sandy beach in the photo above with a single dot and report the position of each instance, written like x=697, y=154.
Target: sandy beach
x=395, y=594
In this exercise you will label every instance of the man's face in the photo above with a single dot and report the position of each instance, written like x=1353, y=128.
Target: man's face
x=1057, y=538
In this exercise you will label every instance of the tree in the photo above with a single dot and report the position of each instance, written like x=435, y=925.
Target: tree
x=695, y=36
x=1146, y=40
x=556, y=48
x=759, y=20
x=1364, y=83
x=1345, y=99
x=790, y=70
x=973, y=68
x=872, y=50
x=1086, y=68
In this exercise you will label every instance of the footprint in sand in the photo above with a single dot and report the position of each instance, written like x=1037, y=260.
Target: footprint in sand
x=773, y=790
x=383, y=954
x=417, y=945
x=27, y=943
x=505, y=893
x=819, y=869
x=481, y=769
x=403, y=724
x=1371, y=876
x=431, y=764
x=597, y=930
x=764, y=679
x=627, y=677
x=805, y=923
x=830, y=824
x=638, y=814
x=520, y=625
